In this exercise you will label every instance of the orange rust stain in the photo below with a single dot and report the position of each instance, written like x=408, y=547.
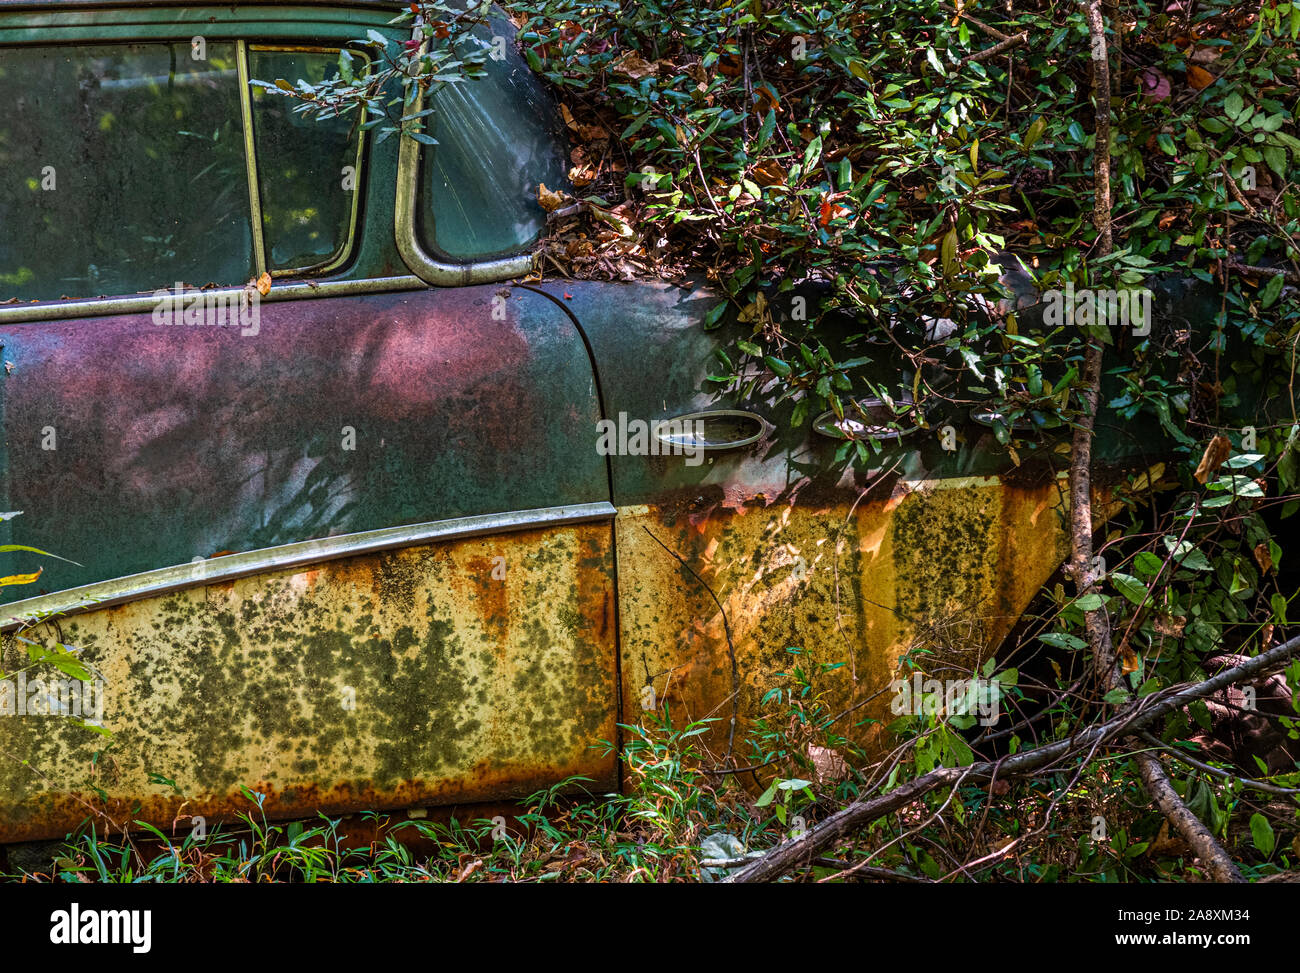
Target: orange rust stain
x=56, y=814
x=485, y=584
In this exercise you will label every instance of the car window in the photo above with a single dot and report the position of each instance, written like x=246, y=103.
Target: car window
x=498, y=137
x=308, y=167
x=121, y=170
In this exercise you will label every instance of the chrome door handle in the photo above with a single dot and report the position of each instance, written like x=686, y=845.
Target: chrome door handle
x=716, y=430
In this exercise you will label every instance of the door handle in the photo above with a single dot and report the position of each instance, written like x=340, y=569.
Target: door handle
x=716, y=430
x=877, y=421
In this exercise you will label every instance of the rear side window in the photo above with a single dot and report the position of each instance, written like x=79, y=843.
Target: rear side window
x=125, y=169
x=121, y=170
x=308, y=167
x=498, y=137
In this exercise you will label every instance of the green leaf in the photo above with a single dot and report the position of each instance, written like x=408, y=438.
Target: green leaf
x=858, y=69
x=949, y=253
x=1261, y=832
x=1186, y=555
x=6, y=548
x=794, y=784
x=60, y=659
x=1063, y=640
x=714, y=317
x=1275, y=156
x=1147, y=564
x=812, y=153
x=1036, y=130
x=1277, y=603
x=1129, y=586
x=935, y=63
x=959, y=751
x=1271, y=291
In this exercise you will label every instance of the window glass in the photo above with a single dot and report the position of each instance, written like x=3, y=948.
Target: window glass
x=307, y=166
x=498, y=137
x=121, y=170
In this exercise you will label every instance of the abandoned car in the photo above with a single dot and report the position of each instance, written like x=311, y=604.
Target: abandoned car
x=408, y=525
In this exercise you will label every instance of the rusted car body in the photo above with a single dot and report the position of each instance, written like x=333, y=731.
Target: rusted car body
x=366, y=551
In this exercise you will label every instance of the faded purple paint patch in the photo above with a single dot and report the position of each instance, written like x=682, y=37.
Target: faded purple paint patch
x=340, y=414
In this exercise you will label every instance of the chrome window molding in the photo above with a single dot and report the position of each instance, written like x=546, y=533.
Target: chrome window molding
x=250, y=161
x=147, y=584
x=338, y=260
x=146, y=303
x=438, y=272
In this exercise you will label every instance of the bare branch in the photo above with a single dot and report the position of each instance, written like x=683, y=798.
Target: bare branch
x=800, y=851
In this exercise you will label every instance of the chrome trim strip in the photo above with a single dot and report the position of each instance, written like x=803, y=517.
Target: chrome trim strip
x=164, y=581
x=250, y=161
x=67, y=310
x=438, y=272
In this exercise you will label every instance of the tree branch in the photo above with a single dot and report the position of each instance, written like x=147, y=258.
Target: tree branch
x=1156, y=781
x=1097, y=622
x=800, y=851
x=1001, y=47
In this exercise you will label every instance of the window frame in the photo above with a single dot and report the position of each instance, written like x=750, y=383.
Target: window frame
x=387, y=257
x=371, y=263
x=431, y=269
x=341, y=258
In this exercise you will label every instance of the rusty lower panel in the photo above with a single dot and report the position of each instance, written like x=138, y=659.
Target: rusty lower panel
x=946, y=566
x=426, y=676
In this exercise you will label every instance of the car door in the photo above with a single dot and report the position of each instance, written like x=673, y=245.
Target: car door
x=340, y=538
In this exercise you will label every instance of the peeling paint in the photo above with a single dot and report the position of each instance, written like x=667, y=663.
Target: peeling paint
x=860, y=583
x=391, y=680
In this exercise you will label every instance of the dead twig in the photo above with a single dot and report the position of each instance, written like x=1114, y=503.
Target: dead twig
x=993, y=32
x=1001, y=47
x=1156, y=781
x=799, y=852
